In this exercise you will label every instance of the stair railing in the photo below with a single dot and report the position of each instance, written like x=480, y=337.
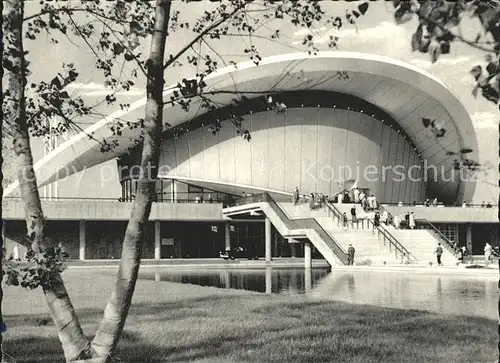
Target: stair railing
x=334, y=210
x=450, y=246
x=393, y=242
x=304, y=223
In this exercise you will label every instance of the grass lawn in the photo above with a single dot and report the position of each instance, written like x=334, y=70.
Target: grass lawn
x=171, y=322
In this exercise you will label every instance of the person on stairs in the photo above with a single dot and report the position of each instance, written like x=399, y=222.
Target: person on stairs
x=350, y=255
x=353, y=214
x=376, y=220
x=344, y=220
x=439, y=253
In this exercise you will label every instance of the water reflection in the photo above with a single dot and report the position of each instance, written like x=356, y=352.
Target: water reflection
x=447, y=294
x=269, y=281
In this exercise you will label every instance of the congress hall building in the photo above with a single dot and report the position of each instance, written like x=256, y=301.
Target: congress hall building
x=324, y=124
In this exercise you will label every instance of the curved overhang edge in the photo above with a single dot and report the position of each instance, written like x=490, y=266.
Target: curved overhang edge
x=350, y=61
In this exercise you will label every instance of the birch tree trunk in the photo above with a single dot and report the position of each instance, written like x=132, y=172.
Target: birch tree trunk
x=74, y=342
x=115, y=313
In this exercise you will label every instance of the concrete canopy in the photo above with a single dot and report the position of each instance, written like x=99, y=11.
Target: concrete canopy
x=403, y=91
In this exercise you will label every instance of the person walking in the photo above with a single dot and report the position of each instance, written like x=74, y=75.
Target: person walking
x=487, y=253
x=350, y=255
x=439, y=253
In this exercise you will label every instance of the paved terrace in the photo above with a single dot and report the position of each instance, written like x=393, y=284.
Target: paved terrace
x=448, y=214
x=112, y=210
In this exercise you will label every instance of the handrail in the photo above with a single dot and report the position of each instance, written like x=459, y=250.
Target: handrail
x=459, y=205
x=447, y=243
x=335, y=211
x=303, y=223
x=392, y=240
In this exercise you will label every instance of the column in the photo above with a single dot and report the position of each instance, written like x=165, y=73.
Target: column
x=4, y=240
x=468, y=239
x=276, y=244
x=83, y=240
x=174, y=191
x=157, y=240
x=293, y=247
x=307, y=255
x=269, y=280
x=268, y=240
x=227, y=236
x=308, y=279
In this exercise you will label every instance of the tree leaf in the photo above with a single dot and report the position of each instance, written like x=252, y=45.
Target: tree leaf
x=56, y=82
x=426, y=121
x=363, y=7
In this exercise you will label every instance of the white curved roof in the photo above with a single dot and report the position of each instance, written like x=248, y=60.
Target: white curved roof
x=405, y=92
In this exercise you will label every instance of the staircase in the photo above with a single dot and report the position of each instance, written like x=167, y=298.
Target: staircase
x=290, y=227
x=368, y=244
x=369, y=249
x=422, y=244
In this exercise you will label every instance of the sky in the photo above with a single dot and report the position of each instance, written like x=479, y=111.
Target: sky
x=375, y=33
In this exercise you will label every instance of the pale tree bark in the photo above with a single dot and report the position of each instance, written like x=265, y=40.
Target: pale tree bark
x=1, y=188
x=74, y=342
x=115, y=313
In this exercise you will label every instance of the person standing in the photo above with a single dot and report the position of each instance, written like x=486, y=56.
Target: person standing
x=407, y=219
x=296, y=196
x=376, y=220
x=385, y=217
x=353, y=214
x=355, y=194
x=15, y=252
x=487, y=253
x=344, y=220
x=411, y=222
x=439, y=253
x=350, y=255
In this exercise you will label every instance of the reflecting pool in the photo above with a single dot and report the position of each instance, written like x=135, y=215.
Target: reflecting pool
x=446, y=294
